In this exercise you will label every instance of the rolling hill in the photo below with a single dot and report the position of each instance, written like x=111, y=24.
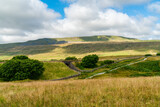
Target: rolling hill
x=59, y=48
x=107, y=38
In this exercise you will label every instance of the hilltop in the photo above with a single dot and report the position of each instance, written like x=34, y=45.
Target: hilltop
x=107, y=38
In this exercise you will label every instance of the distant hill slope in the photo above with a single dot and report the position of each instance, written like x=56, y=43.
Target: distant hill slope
x=96, y=38
x=29, y=47
x=46, y=44
x=60, y=48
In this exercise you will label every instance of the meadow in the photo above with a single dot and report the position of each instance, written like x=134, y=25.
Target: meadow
x=143, y=91
x=56, y=70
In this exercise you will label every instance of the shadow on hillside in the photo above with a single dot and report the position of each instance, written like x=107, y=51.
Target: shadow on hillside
x=95, y=38
x=26, y=50
x=111, y=47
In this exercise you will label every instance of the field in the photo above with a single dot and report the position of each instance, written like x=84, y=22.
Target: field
x=56, y=70
x=83, y=93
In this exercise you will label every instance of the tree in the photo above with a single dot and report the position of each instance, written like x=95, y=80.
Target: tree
x=158, y=54
x=21, y=57
x=20, y=68
x=147, y=55
x=71, y=58
x=90, y=61
x=106, y=62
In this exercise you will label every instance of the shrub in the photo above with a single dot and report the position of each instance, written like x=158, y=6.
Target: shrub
x=90, y=61
x=106, y=62
x=20, y=68
x=158, y=54
x=71, y=58
x=21, y=57
x=148, y=55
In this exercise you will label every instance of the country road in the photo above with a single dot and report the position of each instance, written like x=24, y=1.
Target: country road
x=71, y=66
x=115, y=68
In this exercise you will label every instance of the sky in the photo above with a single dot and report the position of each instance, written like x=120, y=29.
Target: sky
x=22, y=20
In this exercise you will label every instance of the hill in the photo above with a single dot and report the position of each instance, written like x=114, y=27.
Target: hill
x=48, y=44
x=96, y=38
x=60, y=48
x=29, y=47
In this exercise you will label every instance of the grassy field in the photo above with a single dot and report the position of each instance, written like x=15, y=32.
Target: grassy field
x=56, y=70
x=150, y=67
x=144, y=92
x=105, y=69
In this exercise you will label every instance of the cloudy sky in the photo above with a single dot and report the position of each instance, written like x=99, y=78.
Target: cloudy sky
x=22, y=20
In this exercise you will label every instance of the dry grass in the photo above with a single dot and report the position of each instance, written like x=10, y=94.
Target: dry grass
x=83, y=93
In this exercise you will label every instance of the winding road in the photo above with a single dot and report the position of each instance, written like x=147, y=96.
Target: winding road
x=71, y=66
x=98, y=74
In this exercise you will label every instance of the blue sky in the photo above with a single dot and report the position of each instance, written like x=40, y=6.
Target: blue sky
x=132, y=9
x=24, y=20
x=56, y=5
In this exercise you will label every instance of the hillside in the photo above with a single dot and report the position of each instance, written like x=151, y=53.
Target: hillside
x=96, y=38
x=29, y=47
x=60, y=48
x=45, y=45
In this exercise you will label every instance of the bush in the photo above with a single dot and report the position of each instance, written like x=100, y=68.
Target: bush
x=158, y=54
x=71, y=58
x=20, y=68
x=106, y=62
x=90, y=61
x=148, y=55
x=21, y=57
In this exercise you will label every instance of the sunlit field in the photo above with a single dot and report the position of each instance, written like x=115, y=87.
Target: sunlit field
x=83, y=93
x=56, y=70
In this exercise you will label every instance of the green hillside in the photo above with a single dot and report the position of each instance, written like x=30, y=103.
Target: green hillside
x=112, y=47
x=46, y=45
x=145, y=69
x=29, y=47
x=96, y=38
x=60, y=48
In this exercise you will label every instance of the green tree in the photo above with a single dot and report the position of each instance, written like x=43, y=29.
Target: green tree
x=71, y=58
x=20, y=68
x=148, y=55
x=21, y=57
x=106, y=62
x=158, y=54
x=90, y=61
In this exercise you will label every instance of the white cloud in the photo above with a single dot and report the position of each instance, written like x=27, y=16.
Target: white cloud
x=21, y=20
x=154, y=7
x=106, y=22
x=19, y=17
x=107, y=3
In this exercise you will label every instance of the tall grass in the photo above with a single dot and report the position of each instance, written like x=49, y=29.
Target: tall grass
x=144, y=92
